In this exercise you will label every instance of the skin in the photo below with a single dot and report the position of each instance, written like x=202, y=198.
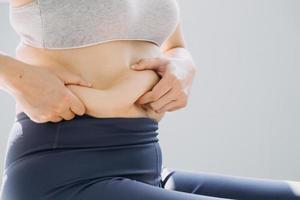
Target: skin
x=99, y=80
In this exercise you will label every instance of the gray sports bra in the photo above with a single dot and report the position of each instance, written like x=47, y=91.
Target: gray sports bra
x=63, y=24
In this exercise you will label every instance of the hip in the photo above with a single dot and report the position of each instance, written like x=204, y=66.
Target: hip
x=27, y=137
x=67, y=154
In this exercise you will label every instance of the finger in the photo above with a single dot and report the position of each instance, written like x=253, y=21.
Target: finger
x=173, y=105
x=56, y=119
x=164, y=100
x=67, y=115
x=161, y=88
x=76, y=105
x=38, y=120
x=145, y=106
x=76, y=80
x=150, y=63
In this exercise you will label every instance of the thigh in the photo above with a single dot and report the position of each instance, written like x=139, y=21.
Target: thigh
x=228, y=186
x=117, y=188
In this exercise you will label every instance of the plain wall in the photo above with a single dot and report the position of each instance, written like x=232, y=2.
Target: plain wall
x=243, y=113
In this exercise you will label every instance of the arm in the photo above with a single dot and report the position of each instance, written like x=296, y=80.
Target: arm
x=40, y=93
x=120, y=97
x=175, y=48
x=9, y=74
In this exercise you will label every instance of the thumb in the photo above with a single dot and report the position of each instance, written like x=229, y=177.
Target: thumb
x=74, y=79
x=76, y=104
x=150, y=63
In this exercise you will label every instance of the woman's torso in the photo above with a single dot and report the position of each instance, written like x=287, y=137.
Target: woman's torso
x=150, y=22
x=99, y=64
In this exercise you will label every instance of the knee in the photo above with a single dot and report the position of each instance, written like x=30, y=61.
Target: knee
x=294, y=186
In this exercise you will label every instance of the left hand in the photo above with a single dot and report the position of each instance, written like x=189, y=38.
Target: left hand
x=173, y=89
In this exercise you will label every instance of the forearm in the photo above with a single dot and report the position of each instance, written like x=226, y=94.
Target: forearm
x=11, y=71
x=183, y=55
x=3, y=68
x=183, y=66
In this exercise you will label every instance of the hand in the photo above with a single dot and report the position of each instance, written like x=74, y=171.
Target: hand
x=43, y=96
x=173, y=89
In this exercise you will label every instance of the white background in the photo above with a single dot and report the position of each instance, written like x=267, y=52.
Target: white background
x=243, y=117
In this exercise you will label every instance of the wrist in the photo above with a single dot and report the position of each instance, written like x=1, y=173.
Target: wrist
x=183, y=57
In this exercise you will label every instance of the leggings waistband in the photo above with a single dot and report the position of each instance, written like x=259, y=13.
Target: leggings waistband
x=21, y=116
x=28, y=137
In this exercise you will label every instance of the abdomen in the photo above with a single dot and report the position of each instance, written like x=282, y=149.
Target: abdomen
x=106, y=66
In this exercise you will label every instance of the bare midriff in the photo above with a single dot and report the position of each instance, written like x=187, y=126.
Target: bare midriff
x=115, y=87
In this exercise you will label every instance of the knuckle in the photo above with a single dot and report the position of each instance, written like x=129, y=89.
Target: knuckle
x=34, y=117
x=70, y=117
x=56, y=120
x=182, y=94
x=154, y=95
x=41, y=119
x=44, y=117
x=175, y=95
x=51, y=116
x=185, y=96
x=37, y=120
x=59, y=109
x=80, y=110
x=184, y=102
x=153, y=106
x=176, y=81
x=174, y=108
x=172, y=78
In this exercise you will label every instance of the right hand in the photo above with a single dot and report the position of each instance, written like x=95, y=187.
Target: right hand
x=43, y=96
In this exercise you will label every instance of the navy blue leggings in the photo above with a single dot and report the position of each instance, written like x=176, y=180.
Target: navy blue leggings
x=118, y=158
